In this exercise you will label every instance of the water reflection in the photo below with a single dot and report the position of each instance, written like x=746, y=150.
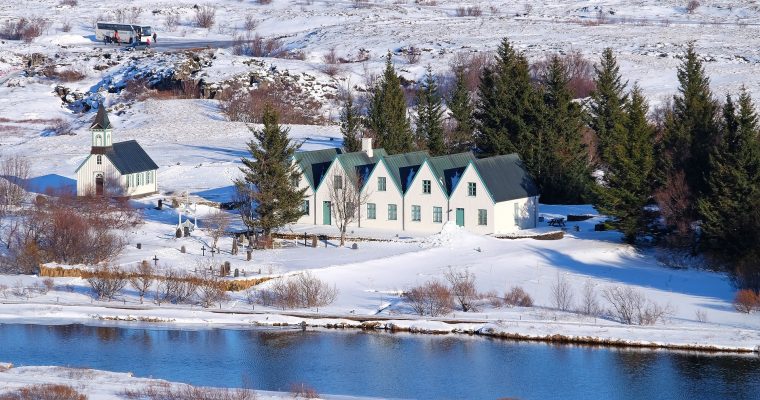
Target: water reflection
x=381, y=364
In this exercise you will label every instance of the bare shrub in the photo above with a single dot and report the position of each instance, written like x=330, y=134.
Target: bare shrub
x=24, y=29
x=589, y=301
x=66, y=26
x=292, y=103
x=49, y=284
x=701, y=316
x=692, y=6
x=14, y=175
x=463, y=288
x=44, y=392
x=517, y=297
x=134, y=14
x=562, y=294
x=205, y=16
x=165, y=391
x=471, y=65
x=579, y=70
x=211, y=291
x=632, y=308
x=331, y=64
x=176, y=287
x=412, y=55
x=70, y=3
x=142, y=278
x=299, y=291
x=432, y=298
x=107, y=281
x=493, y=298
x=250, y=23
x=216, y=225
x=171, y=20
x=746, y=301
x=303, y=391
x=264, y=2
x=472, y=11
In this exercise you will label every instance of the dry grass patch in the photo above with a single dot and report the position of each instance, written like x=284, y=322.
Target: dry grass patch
x=44, y=392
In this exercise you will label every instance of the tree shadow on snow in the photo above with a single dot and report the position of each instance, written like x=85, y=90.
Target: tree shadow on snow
x=642, y=271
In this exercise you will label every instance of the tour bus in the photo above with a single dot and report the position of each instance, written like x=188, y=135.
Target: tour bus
x=128, y=33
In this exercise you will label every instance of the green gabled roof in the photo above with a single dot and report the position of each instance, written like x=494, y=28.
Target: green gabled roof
x=403, y=167
x=315, y=163
x=449, y=168
x=359, y=162
x=506, y=177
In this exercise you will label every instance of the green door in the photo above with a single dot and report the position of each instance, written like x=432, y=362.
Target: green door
x=460, y=216
x=326, y=211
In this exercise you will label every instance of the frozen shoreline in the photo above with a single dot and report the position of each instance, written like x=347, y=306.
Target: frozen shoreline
x=714, y=338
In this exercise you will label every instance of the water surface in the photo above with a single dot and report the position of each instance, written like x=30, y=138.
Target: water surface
x=385, y=365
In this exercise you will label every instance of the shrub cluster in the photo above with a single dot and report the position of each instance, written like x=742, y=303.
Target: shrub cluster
x=44, y=392
x=166, y=391
x=299, y=291
x=746, y=301
x=24, y=29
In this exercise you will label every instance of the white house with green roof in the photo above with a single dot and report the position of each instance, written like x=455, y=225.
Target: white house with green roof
x=121, y=169
x=416, y=192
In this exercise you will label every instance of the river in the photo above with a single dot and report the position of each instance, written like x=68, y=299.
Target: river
x=385, y=365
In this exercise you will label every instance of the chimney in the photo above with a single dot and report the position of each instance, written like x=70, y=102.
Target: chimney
x=367, y=146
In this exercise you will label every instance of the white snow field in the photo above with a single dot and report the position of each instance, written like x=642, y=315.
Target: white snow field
x=198, y=153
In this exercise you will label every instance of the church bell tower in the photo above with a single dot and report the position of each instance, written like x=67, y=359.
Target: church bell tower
x=101, y=132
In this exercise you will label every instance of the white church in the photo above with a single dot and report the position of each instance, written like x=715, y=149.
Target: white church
x=121, y=169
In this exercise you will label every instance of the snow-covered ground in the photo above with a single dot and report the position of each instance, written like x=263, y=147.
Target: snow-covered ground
x=105, y=385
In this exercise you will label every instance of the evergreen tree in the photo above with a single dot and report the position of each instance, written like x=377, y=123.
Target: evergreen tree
x=460, y=138
x=691, y=129
x=607, y=102
x=350, y=125
x=729, y=209
x=267, y=194
x=386, y=113
x=627, y=186
x=565, y=176
x=430, y=115
x=506, y=117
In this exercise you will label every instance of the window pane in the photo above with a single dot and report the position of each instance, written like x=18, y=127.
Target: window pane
x=425, y=186
x=482, y=217
x=416, y=213
x=471, y=189
x=437, y=214
x=371, y=211
x=392, y=212
x=338, y=182
x=381, y=183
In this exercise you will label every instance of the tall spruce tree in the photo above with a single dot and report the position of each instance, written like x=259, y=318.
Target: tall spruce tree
x=268, y=197
x=729, y=208
x=387, y=113
x=350, y=124
x=627, y=186
x=460, y=136
x=565, y=176
x=606, y=106
x=506, y=115
x=691, y=129
x=430, y=115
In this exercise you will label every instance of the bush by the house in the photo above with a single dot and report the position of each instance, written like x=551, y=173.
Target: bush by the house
x=517, y=297
x=432, y=298
x=746, y=301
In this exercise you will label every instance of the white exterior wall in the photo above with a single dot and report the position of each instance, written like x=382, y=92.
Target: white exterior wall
x=304, y=184
x=415, y=196
x=507, y=221
x=90, y=169
x=391, y=195
x=323, y=193
x=144, y=188
x=471, y=204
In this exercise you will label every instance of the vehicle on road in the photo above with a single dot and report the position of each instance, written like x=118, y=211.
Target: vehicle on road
x=126, y=33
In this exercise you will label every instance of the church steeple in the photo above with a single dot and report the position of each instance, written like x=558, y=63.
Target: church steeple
x=101, y=131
